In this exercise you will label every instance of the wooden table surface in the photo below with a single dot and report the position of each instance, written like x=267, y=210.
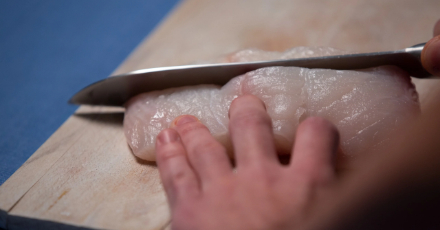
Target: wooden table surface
x=85, y=173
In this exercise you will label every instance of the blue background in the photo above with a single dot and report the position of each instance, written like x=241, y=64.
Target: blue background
x=51, y=49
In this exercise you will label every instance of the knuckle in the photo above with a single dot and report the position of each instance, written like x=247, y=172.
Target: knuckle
x=191, y=128
x=180, y=177
x=168, y=153
x=184, y=184
x=206, y=147
x=250, y=118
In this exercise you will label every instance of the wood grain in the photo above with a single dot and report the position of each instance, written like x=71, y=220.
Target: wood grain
x=85, y=173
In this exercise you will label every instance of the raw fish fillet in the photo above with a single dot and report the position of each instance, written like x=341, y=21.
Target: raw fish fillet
x=365, y=105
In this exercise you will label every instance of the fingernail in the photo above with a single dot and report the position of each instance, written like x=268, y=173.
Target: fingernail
x=229, y=110
x=167, y=136
x=264, y=105
x=247, y=102
x=431, y=56
x=183, y=120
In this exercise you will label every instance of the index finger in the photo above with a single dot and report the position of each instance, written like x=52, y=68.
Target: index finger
x=251, y=132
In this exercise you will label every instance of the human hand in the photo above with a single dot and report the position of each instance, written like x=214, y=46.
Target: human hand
x=431, y=52
x=205, y=193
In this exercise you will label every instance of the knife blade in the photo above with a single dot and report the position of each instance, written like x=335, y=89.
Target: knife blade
x=116, y=90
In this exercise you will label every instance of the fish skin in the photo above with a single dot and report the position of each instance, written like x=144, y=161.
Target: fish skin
x=365, y=105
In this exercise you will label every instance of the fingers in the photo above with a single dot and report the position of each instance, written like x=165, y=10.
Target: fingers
x=437, y=28
x=251, y=132
x=206, y=155
x=179, y=179
x=431, y=52
x=315, y=147
x=431, y=56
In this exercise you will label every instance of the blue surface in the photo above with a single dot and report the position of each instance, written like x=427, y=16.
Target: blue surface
x=51, y=49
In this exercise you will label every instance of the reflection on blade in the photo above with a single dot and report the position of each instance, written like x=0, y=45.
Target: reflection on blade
x=116, y=90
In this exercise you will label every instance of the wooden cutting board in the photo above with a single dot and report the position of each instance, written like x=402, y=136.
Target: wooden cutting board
x=85, y=174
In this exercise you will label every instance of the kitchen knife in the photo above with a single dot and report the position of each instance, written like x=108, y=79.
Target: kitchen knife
x=116, y=90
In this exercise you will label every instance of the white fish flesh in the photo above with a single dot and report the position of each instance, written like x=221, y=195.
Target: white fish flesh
x=365, y=105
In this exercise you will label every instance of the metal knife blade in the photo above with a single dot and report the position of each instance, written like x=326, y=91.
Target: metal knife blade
x=116, y=90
